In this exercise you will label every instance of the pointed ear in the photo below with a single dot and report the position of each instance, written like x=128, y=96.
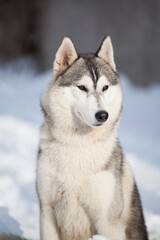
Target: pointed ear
x=65, y=56
x=106, y=52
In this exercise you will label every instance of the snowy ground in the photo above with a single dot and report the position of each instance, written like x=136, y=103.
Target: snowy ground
x=20, y=119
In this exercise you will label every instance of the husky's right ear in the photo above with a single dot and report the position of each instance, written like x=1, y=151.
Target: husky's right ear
x=65, y=56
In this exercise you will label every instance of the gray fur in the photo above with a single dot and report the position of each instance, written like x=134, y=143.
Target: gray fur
x=136, y=228
x=88, y=64
x=97, y=99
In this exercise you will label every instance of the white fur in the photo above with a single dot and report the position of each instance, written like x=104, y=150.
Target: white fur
x=70, y=169
x=73, y=188
x=85, y=105
x=102, y=81
x=76, y=191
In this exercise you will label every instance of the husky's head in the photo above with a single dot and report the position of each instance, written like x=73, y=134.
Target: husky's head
x=86, y=85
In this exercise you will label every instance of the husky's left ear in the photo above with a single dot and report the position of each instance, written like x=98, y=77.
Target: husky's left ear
x=106, y=52
x=65, y=56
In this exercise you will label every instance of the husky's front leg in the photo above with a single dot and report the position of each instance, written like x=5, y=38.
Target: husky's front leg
x=48, y=228
x=111, y=229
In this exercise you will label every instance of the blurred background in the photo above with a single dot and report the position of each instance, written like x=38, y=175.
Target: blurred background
x=37, y=27
x=30, y=34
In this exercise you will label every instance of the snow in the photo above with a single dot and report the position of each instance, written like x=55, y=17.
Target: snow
x=8, y=224
x=140, y=129
x=18, y=141
x=98, y=237
x=20, y=119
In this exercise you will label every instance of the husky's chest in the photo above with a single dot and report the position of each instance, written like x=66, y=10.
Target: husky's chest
x=83, y=188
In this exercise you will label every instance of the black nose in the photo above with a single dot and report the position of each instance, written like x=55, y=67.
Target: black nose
x=101, y=116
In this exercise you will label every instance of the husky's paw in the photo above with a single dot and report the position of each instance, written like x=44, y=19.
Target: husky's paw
x=98, y=237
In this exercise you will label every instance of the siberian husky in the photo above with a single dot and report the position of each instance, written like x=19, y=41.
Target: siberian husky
x=84, y=183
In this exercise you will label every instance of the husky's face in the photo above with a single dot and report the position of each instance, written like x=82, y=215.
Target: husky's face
x=90, y=100
x=89, y=84
x=92, y=87
x=93, y=103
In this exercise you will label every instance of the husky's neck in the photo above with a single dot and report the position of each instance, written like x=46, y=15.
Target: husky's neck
x=79, y=136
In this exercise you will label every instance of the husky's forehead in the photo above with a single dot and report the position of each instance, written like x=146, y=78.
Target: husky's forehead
x=90, y=65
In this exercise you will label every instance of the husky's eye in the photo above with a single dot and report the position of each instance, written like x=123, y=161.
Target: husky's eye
x=105, y=88
x=83, y=88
